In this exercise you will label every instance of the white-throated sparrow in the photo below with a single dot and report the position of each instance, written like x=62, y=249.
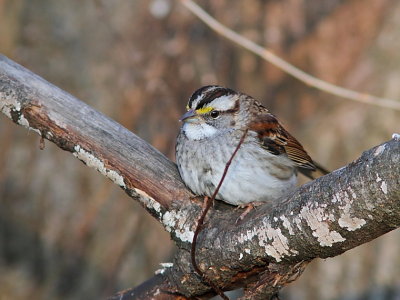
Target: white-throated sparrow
x=265, y=167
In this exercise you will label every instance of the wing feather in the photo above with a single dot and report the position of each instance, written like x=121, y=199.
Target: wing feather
x=274, y=138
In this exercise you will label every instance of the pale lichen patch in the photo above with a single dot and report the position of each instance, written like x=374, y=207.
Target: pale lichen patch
x=287, y=225
x=164, y=266
x=167, y=265
x=173, y=220
x=157, y=292
x=384, y=187
x=24, y=122
x=244, y=237
x=97, y=164
x=271, y=239
x=316, y=220
x=346, y=220
x=379, y=150
x=92, y=161
x=383, y=184
x=148, y=201
x=351, y=224
x=5, y=110
x=176, y=221
x=8, y=105
x=49, y=135
x=335, y=198
x=298, y=223
x=277, y=247
x=353, y=194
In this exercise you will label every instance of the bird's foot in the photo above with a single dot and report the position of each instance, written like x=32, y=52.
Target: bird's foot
x=247, y=208
x=204, y=205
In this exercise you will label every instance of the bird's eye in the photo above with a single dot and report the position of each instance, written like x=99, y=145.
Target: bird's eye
x=214, y=114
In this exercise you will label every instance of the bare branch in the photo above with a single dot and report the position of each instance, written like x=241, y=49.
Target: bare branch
x=273, y=245
x=264, y=252
x=95, y=139
x=284, y=65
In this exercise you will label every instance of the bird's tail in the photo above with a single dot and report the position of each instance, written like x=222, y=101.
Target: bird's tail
x=312, y=174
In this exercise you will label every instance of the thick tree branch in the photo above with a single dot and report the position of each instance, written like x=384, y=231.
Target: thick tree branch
x=270, y=248
x=95, y=139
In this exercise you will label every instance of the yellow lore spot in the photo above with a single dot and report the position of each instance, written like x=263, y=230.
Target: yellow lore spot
x=204, y=110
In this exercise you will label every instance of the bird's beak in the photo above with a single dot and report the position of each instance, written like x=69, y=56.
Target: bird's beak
x=188, y=115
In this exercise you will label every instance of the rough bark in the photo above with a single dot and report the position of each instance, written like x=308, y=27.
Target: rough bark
x=264, y=252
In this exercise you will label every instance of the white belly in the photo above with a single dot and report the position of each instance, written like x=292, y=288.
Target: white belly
x=255, y=175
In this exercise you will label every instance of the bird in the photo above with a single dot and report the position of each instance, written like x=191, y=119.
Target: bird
x=267, y=163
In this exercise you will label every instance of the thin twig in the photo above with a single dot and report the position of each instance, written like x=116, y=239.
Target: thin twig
x=284, y=65
x=199, y=226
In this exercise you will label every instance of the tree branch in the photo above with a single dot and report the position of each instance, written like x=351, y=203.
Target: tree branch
x=267, y=250
x=278, y=62
x=137, y=167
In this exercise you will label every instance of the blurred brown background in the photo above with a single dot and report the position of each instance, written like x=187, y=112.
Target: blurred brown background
x=68, y=233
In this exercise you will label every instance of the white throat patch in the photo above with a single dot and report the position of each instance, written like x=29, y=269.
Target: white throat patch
x=198, y=131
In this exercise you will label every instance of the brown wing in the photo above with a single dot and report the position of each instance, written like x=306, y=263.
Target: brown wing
x=274, y=138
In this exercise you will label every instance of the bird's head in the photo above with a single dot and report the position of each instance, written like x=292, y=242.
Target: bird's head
x=211, y=110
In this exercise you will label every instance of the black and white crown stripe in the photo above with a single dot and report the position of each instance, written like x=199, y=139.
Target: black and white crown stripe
x=207, y=94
